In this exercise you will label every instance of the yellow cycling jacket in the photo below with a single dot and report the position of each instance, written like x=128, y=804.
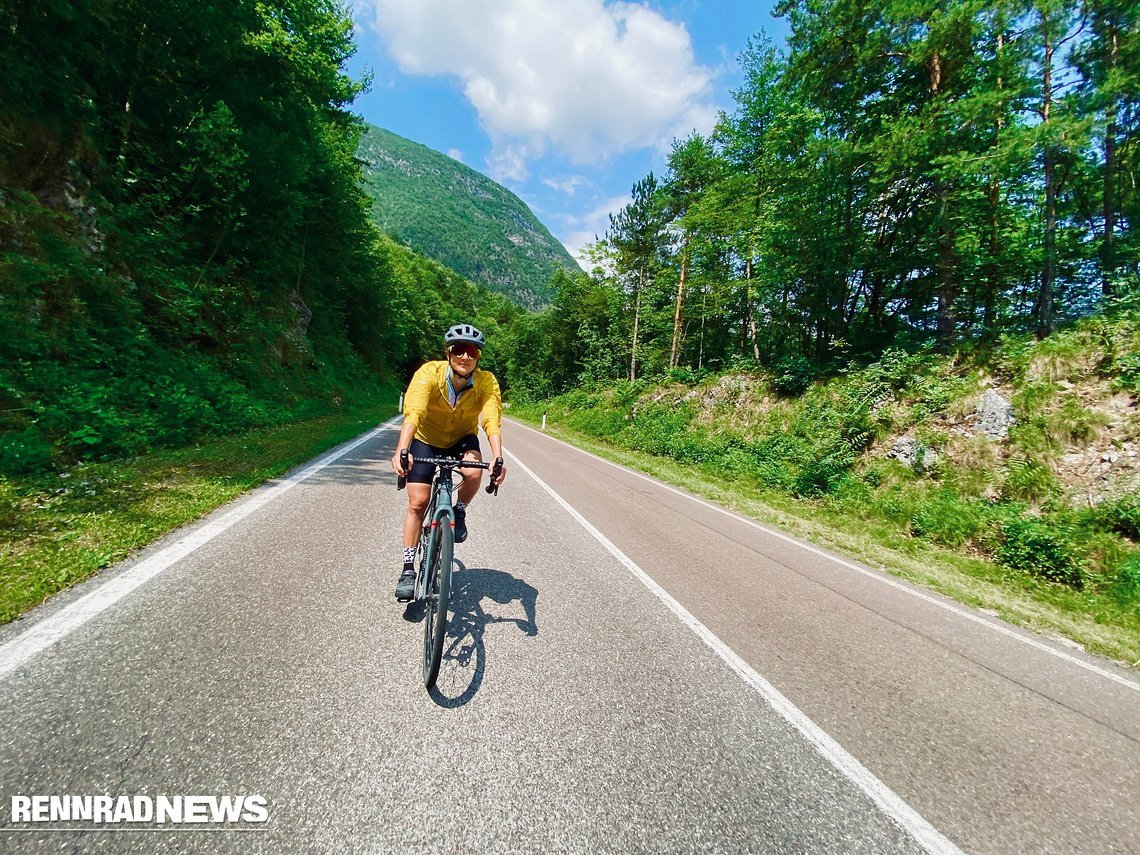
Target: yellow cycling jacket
x=436, y=422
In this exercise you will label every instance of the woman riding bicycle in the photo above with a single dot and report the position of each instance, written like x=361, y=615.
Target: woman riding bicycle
x=446, y=403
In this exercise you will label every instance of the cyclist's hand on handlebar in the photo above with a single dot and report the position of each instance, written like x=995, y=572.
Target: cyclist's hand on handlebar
x=498, y=472
x=402, y=462
x=497, y=476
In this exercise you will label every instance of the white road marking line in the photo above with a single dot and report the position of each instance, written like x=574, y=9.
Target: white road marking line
x=925, y=834
x=47, y=632
x=886, y=580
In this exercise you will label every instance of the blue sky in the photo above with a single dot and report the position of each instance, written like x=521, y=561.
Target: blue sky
x=565, y=102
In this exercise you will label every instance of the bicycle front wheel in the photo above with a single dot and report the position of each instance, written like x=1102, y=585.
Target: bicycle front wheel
x=436, y=600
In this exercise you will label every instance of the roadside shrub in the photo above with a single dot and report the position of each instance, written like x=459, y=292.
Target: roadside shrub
x=851, y=494
x=896, y=503
x=1061, y=356
x=626, y=392
x=688, y=376
x=94, y=426
x=657, y=428
x=734, y=459
x=1042, y=550
x=773, y=460
x=598, y=421
x=893, y=372
x=793, y=376
x=1121, y=515
x=935, y=393
x=1128, y=372
x=1125, y=585
x=1028, y=480
x=824, y=474
x=872, y=476
x=689, y=447
x=25, y=453
x=1073, y=423
x=945, y=517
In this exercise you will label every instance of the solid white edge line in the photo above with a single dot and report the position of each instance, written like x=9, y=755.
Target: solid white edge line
x=886, y=580
x=925, y=834
x=47, y=632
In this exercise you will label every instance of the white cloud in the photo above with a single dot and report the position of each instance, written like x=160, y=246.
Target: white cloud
x=507, y=161
x=586, y=79
x=584, y=229
x=455, y=154
x=568, y=185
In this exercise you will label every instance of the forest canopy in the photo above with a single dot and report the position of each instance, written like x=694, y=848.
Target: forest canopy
x=902, y=174
x=185, y=245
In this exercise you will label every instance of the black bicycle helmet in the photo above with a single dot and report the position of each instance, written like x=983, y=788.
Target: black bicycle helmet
x=464, y=332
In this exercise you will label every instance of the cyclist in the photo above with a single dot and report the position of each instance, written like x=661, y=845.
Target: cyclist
x=446, y=403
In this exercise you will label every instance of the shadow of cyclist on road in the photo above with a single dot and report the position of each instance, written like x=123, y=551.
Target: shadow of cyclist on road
x=464, y=651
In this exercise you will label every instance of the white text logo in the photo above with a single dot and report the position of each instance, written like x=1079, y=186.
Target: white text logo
x=158, y=810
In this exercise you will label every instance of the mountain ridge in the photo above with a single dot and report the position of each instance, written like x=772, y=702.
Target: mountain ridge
x=441, y=207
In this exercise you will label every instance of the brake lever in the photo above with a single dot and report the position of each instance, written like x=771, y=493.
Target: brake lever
x=493, y=487
x=402, y=480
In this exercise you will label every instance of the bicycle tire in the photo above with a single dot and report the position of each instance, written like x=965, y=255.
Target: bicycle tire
x=436, y=600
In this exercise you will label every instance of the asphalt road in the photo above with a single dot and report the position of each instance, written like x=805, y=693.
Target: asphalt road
x=627, y=669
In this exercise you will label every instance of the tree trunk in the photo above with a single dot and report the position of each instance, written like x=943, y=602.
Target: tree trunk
x=127, y=124
x=947, y=287
x=992, y=284
x=1108, y=254
x=674, y=351
x=301, y=263
x=701, y=350
x=1108, y=251
x=218, y=245
x=636, y=320
x=751, y=312
x=993, y=268
x=1048, y=268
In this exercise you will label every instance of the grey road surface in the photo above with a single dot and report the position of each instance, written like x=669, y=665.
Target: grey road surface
x=1002, y=740
x=575, y=710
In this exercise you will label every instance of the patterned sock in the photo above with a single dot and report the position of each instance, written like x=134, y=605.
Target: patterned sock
x=460, y=506
x=409, y=556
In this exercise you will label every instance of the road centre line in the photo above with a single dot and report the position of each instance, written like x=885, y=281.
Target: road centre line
x=925, y=834
x=47, y=632
x=879, y=576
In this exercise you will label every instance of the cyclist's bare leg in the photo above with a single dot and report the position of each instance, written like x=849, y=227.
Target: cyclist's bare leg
x=471, y=478
x=418, y=496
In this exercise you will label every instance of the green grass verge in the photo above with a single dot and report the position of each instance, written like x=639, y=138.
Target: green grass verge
x=59, y=529
x=1096, y=622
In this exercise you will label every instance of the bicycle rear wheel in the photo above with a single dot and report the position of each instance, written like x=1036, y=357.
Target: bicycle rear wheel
x=436, y=601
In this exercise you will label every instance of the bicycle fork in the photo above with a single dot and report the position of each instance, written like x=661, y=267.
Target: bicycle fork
x=428, y=540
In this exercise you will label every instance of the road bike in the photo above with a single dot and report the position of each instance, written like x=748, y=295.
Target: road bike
x=436, y=551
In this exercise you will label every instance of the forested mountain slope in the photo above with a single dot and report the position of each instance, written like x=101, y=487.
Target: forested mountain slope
x=185, y=248
x=461, y=218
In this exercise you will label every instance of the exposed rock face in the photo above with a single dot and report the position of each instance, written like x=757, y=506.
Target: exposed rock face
x=907, y=451
x=298, y=335
x=995, y=415
x=1097, y=474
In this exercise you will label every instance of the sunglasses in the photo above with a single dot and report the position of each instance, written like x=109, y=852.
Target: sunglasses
x=464, y=350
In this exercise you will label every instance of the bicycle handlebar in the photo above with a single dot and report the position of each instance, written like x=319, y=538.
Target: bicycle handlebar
x=450, y=463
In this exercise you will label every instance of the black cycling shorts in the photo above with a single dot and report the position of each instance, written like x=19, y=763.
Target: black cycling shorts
x=422, y=473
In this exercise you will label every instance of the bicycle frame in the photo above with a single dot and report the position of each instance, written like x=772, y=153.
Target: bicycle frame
x=441, y=511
